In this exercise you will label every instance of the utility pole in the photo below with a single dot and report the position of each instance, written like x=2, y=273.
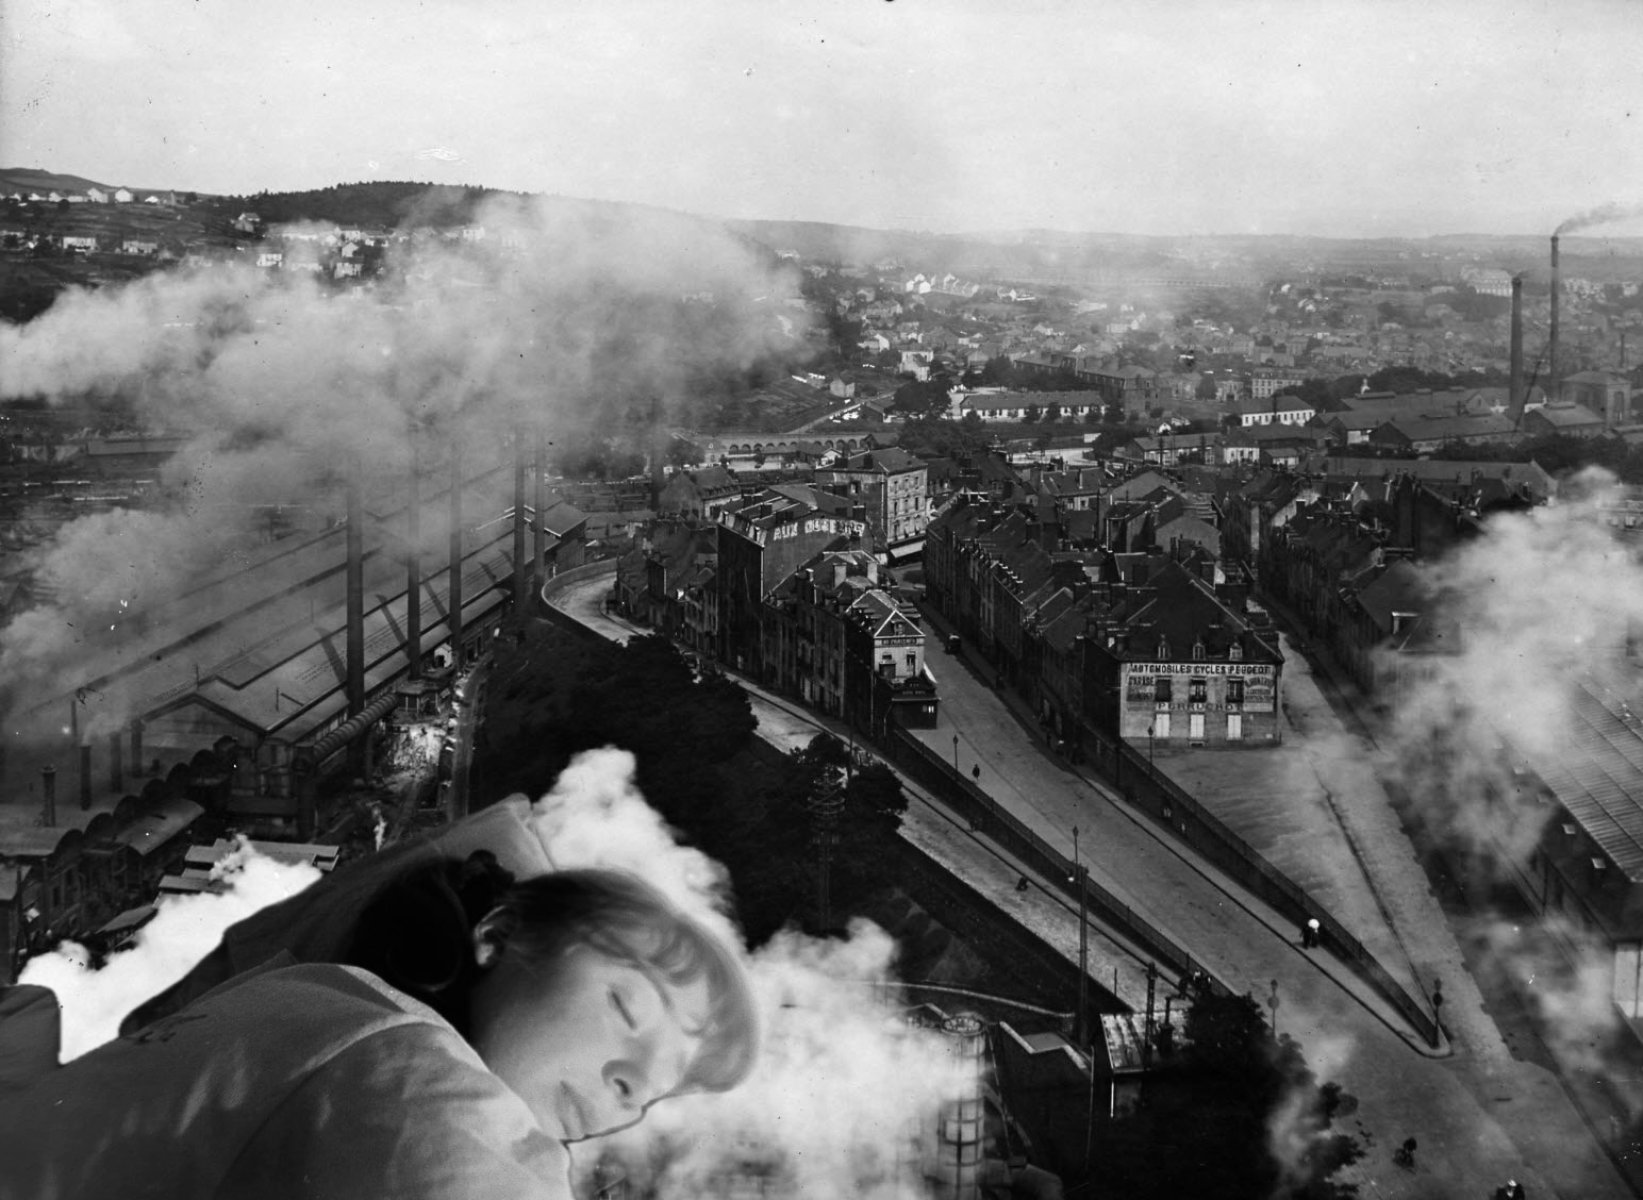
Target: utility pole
x=826, y=804
x=1146, y=1041
x=1083, y=946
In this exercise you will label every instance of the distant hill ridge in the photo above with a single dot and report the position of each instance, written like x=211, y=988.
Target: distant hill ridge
x=30, y=179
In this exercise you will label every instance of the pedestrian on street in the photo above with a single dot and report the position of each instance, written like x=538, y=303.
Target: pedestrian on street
x=1312, y=936
x=975, y=772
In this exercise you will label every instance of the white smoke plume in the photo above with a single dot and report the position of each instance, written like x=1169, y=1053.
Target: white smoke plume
x=564, y=319
x=845, y=1099
x=1537, y=611
x=595, y=816
x=1545, y=598
x=185, y=929
x=1566, y=975
x=1297, y=1129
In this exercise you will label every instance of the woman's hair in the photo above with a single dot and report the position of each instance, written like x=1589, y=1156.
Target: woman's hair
x=417, y=935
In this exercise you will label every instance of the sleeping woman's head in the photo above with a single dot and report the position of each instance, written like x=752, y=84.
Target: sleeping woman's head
x=587, y=992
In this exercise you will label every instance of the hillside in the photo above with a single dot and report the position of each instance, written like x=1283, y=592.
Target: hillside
x=28, y=179
x=375, y=205
x=32, y=277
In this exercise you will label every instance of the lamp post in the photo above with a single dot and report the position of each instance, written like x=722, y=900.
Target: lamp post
x=1272, y=1003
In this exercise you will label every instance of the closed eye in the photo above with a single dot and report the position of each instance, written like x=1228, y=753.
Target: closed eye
x=621, y=1007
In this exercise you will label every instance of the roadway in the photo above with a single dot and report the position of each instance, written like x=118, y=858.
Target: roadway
x=1480, y=1115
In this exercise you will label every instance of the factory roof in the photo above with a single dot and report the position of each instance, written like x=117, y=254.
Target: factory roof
x=1596, y=772
x=273, y=616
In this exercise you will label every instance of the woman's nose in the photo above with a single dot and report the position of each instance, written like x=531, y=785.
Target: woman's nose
x=628, y=1083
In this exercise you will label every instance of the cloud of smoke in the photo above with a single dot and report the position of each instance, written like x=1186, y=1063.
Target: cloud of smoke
x=184, y=930
x=1298, y=1128
x=566, y=319
x=845, y=1097
x=1601, y=215
x=1543, y=599
x=595, y=817
x=1566, y=974
x=843, y=1103
x=1536, y=613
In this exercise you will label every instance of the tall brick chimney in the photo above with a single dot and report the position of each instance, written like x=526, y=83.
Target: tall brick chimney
x=85, y=776
x=454, y=602
x=1515, y=394
x=1551, y=344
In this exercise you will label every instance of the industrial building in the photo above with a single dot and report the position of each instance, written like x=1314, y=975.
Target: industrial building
x=232, y=704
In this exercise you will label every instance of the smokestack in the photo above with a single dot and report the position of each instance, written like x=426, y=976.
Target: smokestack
x=540, y=501
x=413, y=567
x=455, y=599
x=1515, y=395
x=48, y=788
x=1551, y=346
x=116, y=778
x=85, y=776
x=356, y=596
x=521, y=582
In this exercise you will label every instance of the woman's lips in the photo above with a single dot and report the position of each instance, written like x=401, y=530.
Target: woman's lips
x=573, y=1116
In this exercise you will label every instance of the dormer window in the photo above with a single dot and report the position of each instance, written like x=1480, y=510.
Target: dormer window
x=1198, y=649
x=1235, y=653
x=1163, y=649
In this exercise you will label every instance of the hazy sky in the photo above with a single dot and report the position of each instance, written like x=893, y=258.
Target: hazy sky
x=1338, y=117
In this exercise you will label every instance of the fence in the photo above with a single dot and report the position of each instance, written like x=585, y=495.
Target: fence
x=1161, y=798
x=935, y=774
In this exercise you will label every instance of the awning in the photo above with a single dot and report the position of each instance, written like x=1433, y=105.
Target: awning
x=154, y=829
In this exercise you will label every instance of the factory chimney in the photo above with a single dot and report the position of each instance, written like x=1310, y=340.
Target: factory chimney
x=85, y=776
x=413, y=568
x=48, y=788
x=1515, y=395
x=540, y=502
x=355, y=597
x=1551, y=345
x=454, y=601
x=521, y=581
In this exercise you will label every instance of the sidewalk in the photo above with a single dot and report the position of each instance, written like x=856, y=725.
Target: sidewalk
x=1036, y=806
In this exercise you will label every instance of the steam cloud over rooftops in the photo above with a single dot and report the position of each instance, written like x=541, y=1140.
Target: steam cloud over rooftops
x=564, y=319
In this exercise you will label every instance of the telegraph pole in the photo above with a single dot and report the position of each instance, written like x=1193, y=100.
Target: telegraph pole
x=826, y=804
x=1083, y=945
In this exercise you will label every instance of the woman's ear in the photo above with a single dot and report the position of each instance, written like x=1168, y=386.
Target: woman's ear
x=488, y=939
